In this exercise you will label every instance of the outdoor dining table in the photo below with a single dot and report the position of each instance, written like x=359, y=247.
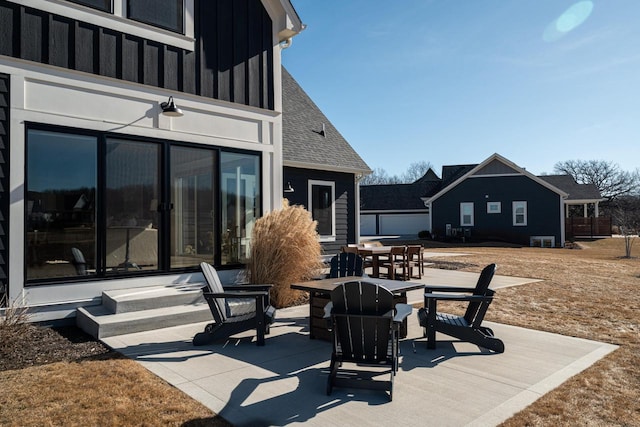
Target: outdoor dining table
x=320, y=296
x=375, y=252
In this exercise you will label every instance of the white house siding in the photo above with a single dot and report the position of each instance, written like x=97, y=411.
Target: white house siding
x=51, y=96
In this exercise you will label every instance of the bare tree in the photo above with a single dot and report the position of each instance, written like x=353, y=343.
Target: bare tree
x=626, y=215
x=612, y=181
x=416, y=171
x=380, y=176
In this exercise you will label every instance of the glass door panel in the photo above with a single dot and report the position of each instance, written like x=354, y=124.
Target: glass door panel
x=240, y=204
x=193, y=218
x=132, y=200
x=60, y=205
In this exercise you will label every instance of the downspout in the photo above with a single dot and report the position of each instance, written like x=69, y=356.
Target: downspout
x=356, y=180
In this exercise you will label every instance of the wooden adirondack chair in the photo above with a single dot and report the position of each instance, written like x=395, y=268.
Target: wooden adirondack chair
x=468, y=327
x=235, y=309
x=346, y=264
x=365, y=328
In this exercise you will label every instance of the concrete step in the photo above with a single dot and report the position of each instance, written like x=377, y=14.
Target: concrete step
x=126, y=311
x=128, y=300
x=100, y=322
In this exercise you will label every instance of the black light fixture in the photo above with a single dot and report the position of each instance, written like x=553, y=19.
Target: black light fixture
x=288, y=188
x=170, y=108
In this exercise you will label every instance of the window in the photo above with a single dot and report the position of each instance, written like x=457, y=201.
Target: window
x=167, y=14
x=104, y=5
x=494, y=207
x=102, y=206
x=466, y=214
x=168, y=22
x=240, y=182
x=60, y=205
x=519, y=213
x=322, y=207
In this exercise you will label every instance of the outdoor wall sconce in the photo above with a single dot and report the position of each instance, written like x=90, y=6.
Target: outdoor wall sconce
x=170, y=108
x=288, y=188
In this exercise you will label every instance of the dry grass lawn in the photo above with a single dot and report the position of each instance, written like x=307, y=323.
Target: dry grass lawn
x=590, y=293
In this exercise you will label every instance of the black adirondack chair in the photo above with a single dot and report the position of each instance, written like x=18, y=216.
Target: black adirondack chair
x=346, y=264
x=365, y=328
x=235, y=309
x=468, y=327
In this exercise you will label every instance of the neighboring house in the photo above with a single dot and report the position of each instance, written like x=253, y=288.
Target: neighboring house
x=495, y=199
x=396, y=209
x=99, y=189
x=321, y=169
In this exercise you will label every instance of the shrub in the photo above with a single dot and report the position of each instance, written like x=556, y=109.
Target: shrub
x=284, y=250
x=424, y=234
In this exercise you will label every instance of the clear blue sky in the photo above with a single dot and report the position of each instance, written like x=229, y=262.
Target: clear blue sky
x=452, y=82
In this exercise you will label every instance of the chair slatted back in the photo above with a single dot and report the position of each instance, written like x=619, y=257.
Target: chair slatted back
x=349, y=249
x=475, y=310
x=346, y=264
x=362, y=320
x=214, y=285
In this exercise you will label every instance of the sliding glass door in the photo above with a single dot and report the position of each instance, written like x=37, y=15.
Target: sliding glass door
x=193, y=198
x=131, y=205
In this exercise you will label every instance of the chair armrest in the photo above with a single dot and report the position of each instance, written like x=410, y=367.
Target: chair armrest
x=402, y=312
x=235, y=294
x=448, y=289
x=247, y=287
x=441, y=297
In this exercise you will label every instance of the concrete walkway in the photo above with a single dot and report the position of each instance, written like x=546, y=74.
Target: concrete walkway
x=284, y=382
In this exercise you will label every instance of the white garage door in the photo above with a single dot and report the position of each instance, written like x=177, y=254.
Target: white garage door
x=367, y=225
x=403, y=223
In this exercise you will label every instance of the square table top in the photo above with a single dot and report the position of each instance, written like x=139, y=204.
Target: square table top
x=327, y=285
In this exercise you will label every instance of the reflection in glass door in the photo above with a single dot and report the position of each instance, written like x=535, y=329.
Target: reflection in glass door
x=240, y=204
x=132, y=195
x=193, y=216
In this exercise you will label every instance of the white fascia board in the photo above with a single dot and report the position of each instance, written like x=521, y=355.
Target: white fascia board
x=285, y=19
x=507, y=162
x=582, y=201
x=392, y=211
x=328, y=168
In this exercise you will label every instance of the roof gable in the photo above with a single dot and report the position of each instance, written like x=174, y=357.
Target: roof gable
x=490, y=167
x=309, y=139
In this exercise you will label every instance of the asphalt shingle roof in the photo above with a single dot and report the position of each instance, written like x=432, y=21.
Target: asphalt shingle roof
x=576, y=191
x=303, y=141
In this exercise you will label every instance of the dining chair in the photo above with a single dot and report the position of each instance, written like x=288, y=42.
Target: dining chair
x=395, y=261
x=413, y=261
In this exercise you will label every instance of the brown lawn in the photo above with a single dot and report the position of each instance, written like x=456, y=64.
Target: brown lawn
x=589, y=293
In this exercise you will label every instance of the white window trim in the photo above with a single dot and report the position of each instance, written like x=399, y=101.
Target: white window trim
x=311, y=184
x=513, y=206
x=118, y=20
x=497, y=211
x=462, y=206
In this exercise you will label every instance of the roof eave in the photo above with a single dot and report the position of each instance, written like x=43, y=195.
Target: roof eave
x=329, y=168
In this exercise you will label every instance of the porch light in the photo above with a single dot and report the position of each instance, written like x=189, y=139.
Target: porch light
x=170, y=108
x=288, y=188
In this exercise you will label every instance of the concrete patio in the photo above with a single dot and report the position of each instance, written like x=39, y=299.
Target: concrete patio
x=283, y=383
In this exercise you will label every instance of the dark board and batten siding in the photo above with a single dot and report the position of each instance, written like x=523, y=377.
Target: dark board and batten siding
x=345, y=204
x=232, y=60
x=4, y=186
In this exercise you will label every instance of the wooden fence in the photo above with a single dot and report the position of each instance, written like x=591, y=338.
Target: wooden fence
x=577, y=227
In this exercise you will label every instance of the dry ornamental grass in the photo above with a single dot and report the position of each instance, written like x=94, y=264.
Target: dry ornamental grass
x=284, y=250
